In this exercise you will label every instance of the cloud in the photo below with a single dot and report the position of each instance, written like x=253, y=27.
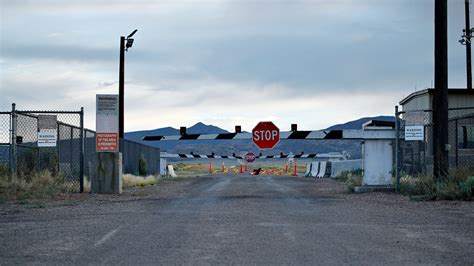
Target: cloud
x=311, y=62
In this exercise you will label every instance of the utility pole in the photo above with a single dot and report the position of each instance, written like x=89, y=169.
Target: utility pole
x=468, y=34
x=440, y=97
x=121, y=92
x=125, y=43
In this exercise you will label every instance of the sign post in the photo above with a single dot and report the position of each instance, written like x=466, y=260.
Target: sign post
x=265, y=135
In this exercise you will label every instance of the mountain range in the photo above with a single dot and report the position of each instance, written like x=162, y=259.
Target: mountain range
x=228, y=147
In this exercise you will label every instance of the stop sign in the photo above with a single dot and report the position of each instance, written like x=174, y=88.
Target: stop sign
x=265, y=135
x=250, y=157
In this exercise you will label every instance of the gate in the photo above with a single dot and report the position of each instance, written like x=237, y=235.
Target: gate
x=20, y=151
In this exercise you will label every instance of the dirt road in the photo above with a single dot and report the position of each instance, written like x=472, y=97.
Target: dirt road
x=238, y=220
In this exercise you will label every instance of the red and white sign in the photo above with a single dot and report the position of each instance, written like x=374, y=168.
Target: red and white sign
x=106, y=142
x=250, y=157
x=107, y=123
x=265, y=135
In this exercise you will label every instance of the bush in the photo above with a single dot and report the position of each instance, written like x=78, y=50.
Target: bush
x=467, y=187
x=142, y=166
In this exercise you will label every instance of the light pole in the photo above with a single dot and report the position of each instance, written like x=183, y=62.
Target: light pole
x=125, y=43
x=466, y=40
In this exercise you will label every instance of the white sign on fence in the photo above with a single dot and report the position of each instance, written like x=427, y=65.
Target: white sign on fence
x=414, y=132
x=47, y=138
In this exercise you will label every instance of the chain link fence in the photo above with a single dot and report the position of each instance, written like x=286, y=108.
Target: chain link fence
x=416, y=156
x=73, y=157
x=23, y=154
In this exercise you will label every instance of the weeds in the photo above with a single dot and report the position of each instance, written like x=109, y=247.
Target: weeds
x=129, y=181
x=351, y=178
x=42, y=185
x=456, y=187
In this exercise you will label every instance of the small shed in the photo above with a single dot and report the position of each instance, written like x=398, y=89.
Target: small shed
x=377, y=153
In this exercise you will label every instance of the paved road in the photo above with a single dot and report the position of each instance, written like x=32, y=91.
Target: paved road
x=240, y=220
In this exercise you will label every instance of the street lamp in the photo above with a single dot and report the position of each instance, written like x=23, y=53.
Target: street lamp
x=125, y=43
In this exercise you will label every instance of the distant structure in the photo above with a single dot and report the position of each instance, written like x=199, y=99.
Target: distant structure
x=423, y=100
x=460, y=130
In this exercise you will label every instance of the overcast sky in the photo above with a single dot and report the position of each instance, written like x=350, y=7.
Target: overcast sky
x=226, y=63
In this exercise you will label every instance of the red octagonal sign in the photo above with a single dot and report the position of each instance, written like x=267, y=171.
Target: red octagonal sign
x=265, y=135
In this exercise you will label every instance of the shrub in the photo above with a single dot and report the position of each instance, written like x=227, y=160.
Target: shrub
x=142, y=166
x=467, y=188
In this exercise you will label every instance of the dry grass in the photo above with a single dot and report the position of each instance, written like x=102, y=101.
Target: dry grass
x=185, y=170
x=458, y=186
x=129, y=181
x=42, y=185
x=351, y=178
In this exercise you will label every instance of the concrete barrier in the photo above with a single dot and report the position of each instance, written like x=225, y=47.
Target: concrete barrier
x=322, y=169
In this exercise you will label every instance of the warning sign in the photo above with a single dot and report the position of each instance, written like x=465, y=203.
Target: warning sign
x=414, y=133
x=107, y=123
x=106, y=142
x=47, y=138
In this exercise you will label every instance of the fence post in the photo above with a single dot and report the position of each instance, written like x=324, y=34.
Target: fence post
x=456, y=143
x=13, y=151
x=397, y=147
x=58, y=145
x=81, y=148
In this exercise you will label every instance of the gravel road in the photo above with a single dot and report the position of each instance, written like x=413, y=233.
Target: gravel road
x=238, y=219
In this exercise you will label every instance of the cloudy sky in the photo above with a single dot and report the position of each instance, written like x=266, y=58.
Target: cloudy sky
x=224, y=62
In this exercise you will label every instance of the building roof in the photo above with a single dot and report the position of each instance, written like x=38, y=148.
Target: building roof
x=378, y=123
x=431, y=91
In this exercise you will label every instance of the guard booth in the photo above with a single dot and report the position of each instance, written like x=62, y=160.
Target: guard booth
x=378, y=153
